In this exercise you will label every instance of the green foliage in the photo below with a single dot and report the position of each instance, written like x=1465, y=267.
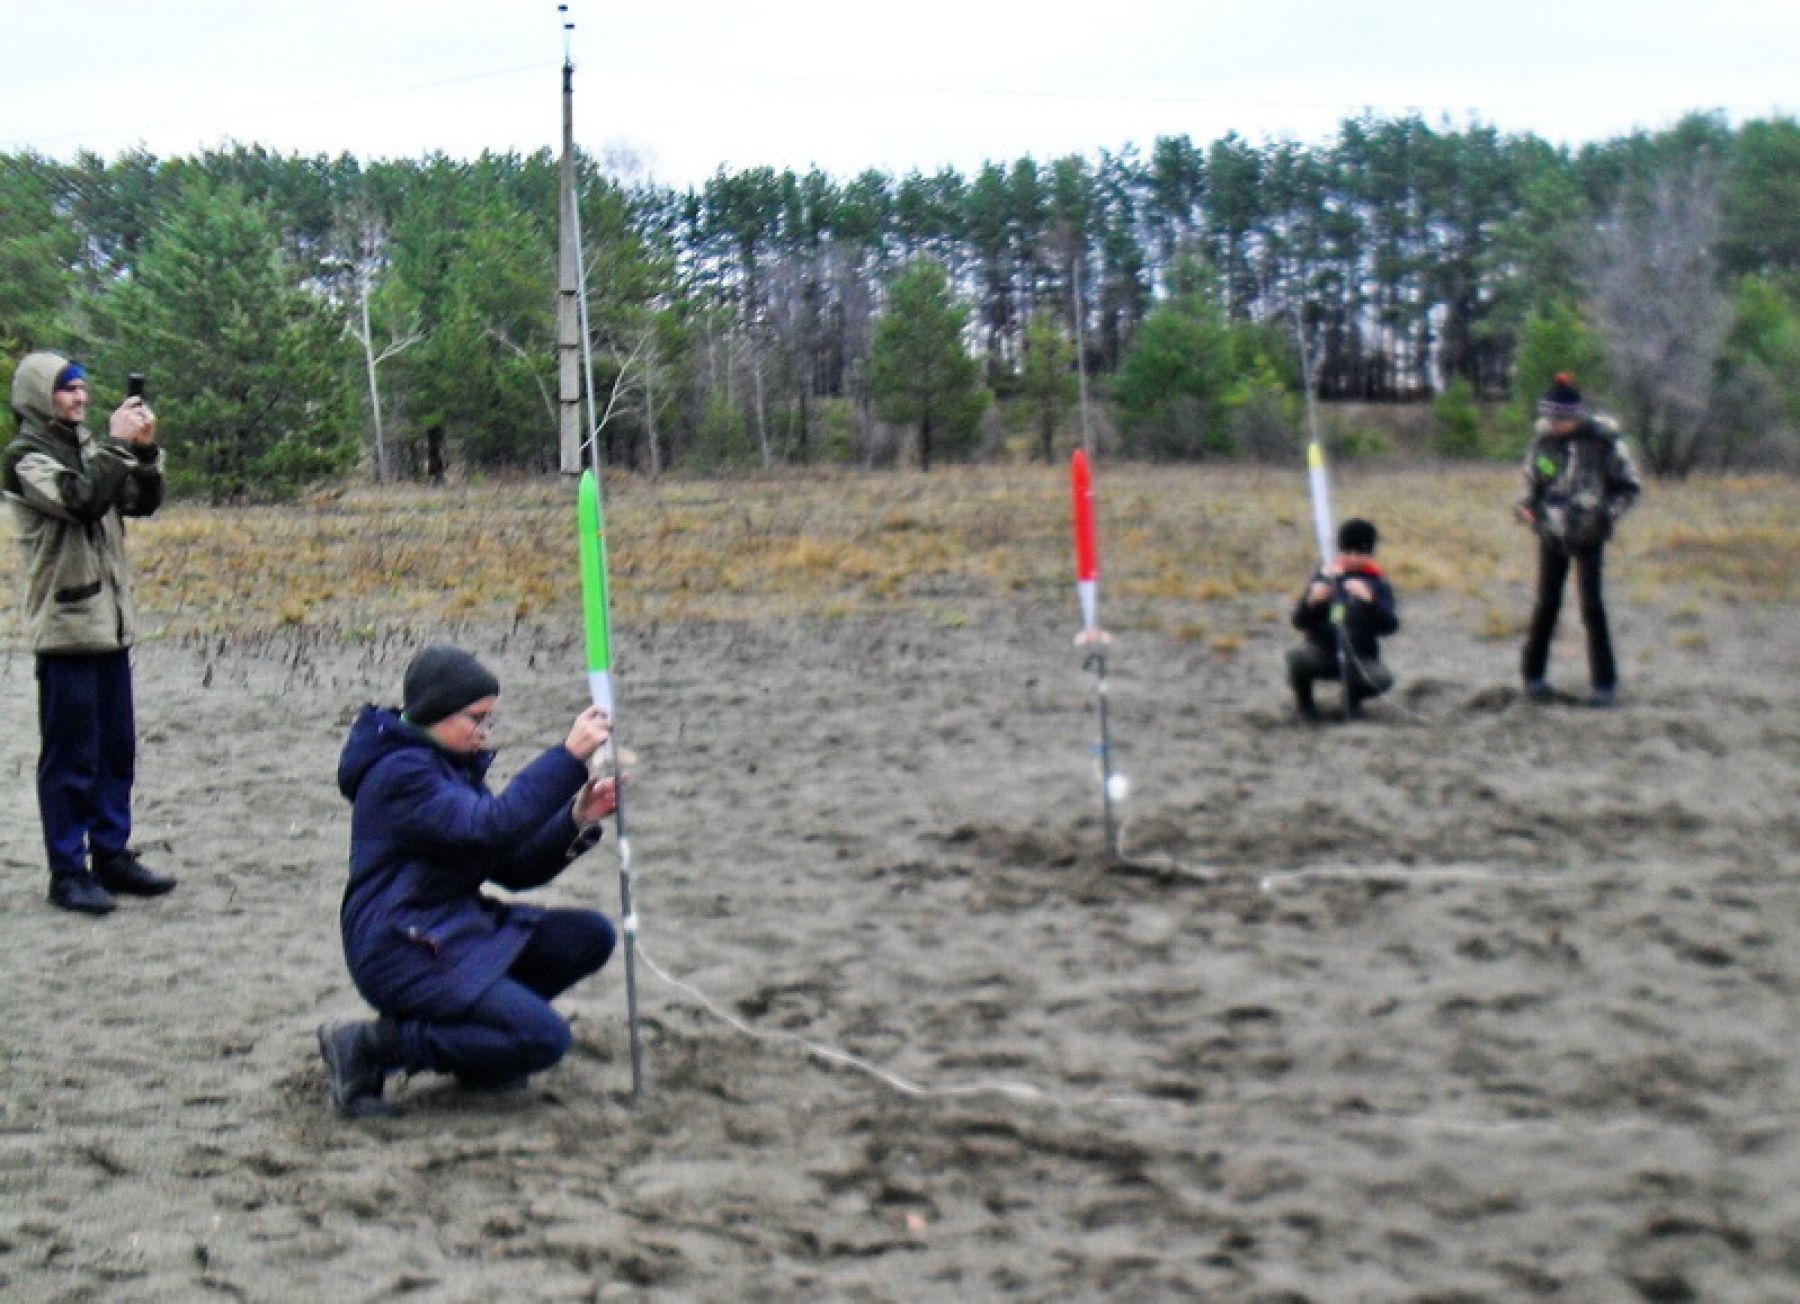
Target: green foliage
x=660, y=340
x=1541, y=235
x=1174, y=386
x=919, y=372
x=1266, y=349
x=1458, y=421
x=1765, y=334
x=722, y=441
x=1554, y=340
x=1047, y=382
x=1265, y=414
x=837, y=431
x=1762, y=200
x=1412, y=249
x=1759, y=375
x=248, y=370
x=486, y=290
x=1358, y=443
x=36, y=250
x=115, y=207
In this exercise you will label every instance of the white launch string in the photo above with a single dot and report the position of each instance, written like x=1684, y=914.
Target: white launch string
x=1273, y=883
x=1016, y=1090
x=1025, y=1091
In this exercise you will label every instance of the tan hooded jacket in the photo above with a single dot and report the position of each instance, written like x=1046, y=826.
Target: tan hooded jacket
x=70, y=491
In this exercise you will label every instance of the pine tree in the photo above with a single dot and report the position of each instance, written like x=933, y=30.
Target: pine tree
x=1047, y=381
x=1175, y=384
x=250, y=371
x=919, y=371
x=35, y=250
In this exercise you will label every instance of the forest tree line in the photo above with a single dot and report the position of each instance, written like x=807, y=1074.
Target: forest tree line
x=302, y=316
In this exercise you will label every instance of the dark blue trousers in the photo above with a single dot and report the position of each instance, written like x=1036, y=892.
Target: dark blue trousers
x=512, y=1031
x=88, y=756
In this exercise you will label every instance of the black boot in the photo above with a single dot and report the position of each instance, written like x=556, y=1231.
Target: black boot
x=126, y=875
x=79, y=892
x=360, y=1057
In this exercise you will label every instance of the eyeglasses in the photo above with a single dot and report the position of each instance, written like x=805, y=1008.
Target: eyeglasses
x=482, y=722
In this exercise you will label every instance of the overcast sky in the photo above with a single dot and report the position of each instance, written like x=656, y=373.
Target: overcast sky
x=688, y=86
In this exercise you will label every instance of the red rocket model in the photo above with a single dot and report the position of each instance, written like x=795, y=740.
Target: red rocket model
x=1087, y=551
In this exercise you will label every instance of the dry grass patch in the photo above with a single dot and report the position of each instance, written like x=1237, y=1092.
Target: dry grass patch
x=1197, y=549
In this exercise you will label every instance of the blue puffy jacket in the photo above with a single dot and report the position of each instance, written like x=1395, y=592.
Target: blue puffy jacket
x=421, y=938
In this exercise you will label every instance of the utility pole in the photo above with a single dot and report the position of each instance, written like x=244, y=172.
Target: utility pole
x=568, y=280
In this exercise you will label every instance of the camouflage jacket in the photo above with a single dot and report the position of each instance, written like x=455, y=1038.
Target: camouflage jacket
x=1578, y=485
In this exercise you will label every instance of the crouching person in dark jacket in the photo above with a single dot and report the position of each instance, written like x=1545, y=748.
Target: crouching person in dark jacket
x=1369, y=614
x=462, y=981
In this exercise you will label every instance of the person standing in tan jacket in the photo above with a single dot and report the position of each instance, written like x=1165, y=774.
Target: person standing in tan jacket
x=70, y=491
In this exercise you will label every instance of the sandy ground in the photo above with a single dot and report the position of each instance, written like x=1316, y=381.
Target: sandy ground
x=1472, y=1000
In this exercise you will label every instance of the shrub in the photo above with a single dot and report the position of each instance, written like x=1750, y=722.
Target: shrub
x=1458, y=421
x=1173, y=387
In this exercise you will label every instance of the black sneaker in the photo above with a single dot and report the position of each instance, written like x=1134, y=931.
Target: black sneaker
x=126, y=875
x=80, y=893
x=352, y=1052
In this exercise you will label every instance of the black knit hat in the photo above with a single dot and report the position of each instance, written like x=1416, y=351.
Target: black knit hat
x=440, y=681
x=1357, y=535
x=1562, y=401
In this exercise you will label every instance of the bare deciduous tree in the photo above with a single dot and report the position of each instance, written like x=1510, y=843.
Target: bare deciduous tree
x=1654, y=291
x=366, y=263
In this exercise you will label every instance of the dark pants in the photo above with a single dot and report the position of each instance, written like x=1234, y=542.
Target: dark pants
x=1553, y=570
x=88, y=756
x=1309, y=662
x=512, y=1031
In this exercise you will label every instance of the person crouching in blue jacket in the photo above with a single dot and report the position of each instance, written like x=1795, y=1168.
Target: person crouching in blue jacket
x=461, y=980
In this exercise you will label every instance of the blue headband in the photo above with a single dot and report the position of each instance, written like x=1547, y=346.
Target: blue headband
x=69, y=375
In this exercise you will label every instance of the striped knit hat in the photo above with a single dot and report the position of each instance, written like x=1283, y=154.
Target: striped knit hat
x=1562, y=401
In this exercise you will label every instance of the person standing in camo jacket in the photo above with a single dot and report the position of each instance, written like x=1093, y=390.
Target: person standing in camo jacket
x=1578, y=482
x=70, y=492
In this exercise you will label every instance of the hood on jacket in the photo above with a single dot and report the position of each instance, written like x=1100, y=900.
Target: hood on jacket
x=33, y=383
x=1597, y=424
x=377, y=733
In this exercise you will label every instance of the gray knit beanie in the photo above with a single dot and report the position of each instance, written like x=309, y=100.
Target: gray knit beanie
x=442, y=680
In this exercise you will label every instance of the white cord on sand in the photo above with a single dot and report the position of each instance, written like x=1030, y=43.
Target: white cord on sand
x=1271, y=883
x=1027, y=1091
x=1017, y=1090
